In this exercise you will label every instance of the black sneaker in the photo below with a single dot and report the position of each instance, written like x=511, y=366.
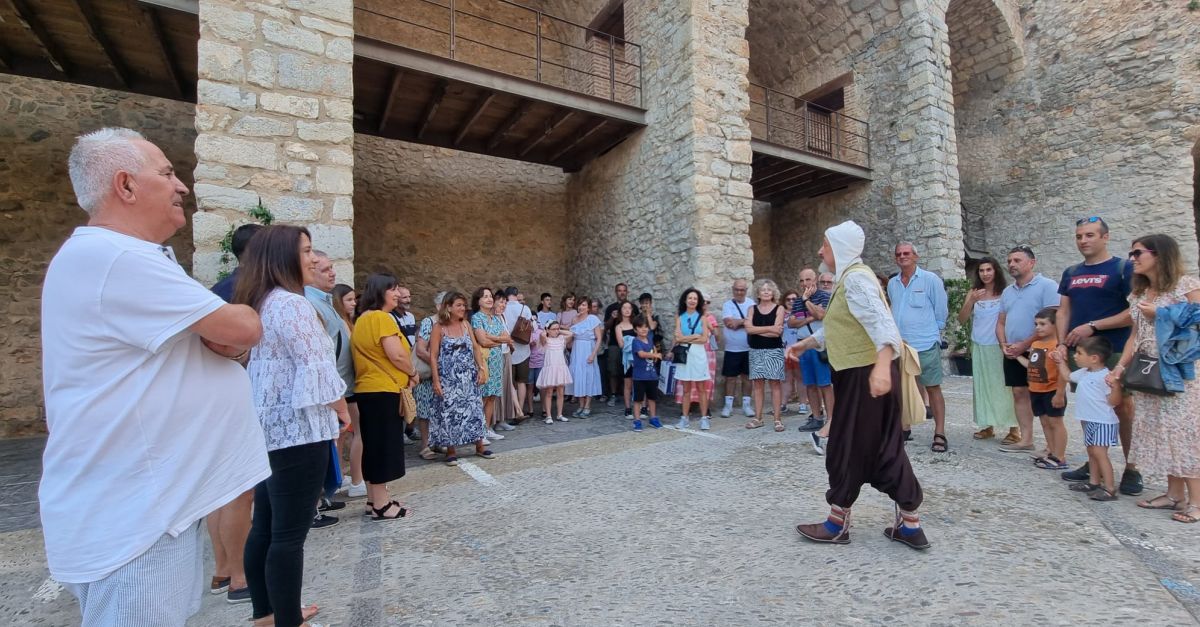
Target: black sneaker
x=1131, y=482
x=322, y=521
x=645, y=413
x=628, y=412
x=1079, y=474
x=242, y=595
x=813, y=424
x=330, y=506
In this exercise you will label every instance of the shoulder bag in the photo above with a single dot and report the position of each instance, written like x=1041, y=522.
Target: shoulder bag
x=523, y=329
x=1143, y=375
x=679, y=352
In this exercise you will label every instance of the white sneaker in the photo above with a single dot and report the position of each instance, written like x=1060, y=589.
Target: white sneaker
x=486, y=441
x=704, y=423
x=357, y=490
x=726, y=411
x=612, y=401
x=504, y=426
x=683, y=423
x=345, y=484
x=803, y=409
x=492, y=435
x=548, y=420
x=747, y=411
x=564, y=419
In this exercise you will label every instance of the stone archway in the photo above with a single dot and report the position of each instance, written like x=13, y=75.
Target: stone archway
x=986, y=53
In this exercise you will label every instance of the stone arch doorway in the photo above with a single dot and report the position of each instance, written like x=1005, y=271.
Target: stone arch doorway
x=986, y=54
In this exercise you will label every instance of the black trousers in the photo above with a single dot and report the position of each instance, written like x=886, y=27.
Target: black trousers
x=866, y=442
x=284, y=505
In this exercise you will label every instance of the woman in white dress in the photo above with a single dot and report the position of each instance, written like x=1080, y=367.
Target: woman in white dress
x=691, y=331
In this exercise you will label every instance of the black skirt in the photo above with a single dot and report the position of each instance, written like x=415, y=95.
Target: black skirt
x=382, y=433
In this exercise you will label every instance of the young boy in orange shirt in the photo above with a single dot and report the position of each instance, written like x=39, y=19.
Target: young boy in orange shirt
x=1047, y=390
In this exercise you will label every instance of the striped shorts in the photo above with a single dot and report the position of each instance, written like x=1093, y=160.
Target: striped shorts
x=1099, y=433
x=159, y=588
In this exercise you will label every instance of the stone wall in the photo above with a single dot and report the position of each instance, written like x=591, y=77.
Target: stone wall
x=39, y=124
x=1101, y=122
x=275, y=122
x=671, y=206
x=441, y=219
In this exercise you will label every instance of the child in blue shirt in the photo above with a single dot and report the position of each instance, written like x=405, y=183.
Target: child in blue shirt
x=645, y=375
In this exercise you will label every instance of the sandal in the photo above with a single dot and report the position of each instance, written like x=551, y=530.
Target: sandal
x=985, y=433
x=1051, y=462
x=1102, y=494
x=940, y=443
x=370, y=509
x=1012, y=438
x=754, y=424
x=308, y=612
x=379, y=512
x=779, y=428
x=1186, y=516
x=1172, y=503
x=1083, y=487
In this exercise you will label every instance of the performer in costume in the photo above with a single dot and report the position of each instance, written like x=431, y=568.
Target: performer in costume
x=866, y=441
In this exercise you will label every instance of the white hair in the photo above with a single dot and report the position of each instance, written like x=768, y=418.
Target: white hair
x=910, y=245
x=439, y=298
x=769, y=284
x=97, y=157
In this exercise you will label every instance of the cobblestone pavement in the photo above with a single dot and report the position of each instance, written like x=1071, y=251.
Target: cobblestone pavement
x=602, y=526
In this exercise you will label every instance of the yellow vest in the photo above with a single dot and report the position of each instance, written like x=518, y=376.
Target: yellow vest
x=846, y=340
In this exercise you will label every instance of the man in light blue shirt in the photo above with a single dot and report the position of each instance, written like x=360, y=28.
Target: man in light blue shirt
x=919, y=306
x=1029, y=293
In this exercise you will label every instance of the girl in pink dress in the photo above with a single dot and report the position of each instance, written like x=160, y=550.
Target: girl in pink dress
x=555, y=374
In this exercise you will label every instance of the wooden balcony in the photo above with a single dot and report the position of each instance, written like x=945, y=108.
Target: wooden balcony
x=802, y=149
x=487, y=76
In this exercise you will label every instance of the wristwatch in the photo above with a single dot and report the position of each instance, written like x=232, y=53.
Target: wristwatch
x=1093, y=325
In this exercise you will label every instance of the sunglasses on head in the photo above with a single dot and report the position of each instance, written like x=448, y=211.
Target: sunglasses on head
x=1091, y=220
x=1136, y=253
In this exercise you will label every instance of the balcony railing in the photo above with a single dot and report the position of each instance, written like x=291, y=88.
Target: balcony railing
x=511, y=39
x=778, y=118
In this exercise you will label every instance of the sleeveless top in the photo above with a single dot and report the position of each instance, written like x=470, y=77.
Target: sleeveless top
x=764, y=320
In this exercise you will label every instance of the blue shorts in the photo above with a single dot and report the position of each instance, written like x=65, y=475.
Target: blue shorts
x=1099, y=433
x=814, y=371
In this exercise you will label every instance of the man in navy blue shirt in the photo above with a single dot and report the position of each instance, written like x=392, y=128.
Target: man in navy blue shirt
x=1095, y=302
x=241, y=238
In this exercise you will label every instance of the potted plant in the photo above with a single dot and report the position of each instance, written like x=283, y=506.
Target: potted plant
x=958, y=336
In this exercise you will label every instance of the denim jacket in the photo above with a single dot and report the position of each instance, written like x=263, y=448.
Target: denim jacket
x=1177, y=332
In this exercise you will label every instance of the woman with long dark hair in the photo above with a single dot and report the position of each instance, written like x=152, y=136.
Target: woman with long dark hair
x=492, y=337
x=691, y=331
x=993, y=402
x=383, y=366
x=298, y=395
x=1166, y=438
x=456, y=410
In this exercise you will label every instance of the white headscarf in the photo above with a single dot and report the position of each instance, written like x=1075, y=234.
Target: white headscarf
x=846, y=240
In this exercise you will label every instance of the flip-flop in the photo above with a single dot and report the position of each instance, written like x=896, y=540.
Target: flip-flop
x=1148, y=503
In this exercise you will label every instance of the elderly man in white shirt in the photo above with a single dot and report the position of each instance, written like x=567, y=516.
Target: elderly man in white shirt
x=145, y=402
x=866, y=443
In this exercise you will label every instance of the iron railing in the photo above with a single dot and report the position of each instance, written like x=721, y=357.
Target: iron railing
x=511, y=39
x=779, y=118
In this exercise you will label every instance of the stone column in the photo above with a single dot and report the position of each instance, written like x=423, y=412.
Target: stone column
x=274, y=121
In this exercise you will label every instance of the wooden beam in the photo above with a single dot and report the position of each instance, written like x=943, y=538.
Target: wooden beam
x=29, y=20
x=439, y=93
x=578, y=140
x=92, y=22
x=790, y=171
x=484, y=101
x=803, y=179
x=577, y=164
x=550, y=128
x=504, y=128
x=390, y=103
x=164, y=53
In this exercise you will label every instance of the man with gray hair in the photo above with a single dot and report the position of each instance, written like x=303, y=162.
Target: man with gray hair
x=146, y=403
x=919, y=304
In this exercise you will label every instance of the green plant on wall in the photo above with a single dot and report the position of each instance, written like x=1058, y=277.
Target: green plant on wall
x=957, y=335
x=260, y=214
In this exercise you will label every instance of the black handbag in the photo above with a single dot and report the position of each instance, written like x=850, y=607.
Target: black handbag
x=679, y=352
x=1143, y=375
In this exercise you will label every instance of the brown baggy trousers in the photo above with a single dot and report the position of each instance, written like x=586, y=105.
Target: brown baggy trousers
x=866, y=442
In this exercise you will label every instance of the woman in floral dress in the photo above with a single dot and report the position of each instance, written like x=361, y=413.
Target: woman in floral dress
x=491, y=335
x=1166, y=433
x=458, y=371
x=423, y=392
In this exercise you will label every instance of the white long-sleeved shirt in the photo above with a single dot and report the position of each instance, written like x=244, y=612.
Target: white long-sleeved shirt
x=865, y=300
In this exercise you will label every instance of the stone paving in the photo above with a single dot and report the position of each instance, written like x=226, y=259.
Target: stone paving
x=587, y=523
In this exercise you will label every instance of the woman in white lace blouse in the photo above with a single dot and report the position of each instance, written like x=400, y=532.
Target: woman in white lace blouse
x=298, y=395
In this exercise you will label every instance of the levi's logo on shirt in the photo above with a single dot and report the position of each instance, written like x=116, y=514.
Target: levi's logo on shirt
x=1089, y=280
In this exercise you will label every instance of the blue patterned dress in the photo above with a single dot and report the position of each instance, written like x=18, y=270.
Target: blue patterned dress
x=492, y=325
x=424, y=390
x=456, y=418
x=585, y=377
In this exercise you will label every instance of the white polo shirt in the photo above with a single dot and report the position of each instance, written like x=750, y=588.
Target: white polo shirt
x=149, y=430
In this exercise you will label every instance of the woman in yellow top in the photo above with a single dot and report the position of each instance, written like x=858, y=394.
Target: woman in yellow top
x=382, y=365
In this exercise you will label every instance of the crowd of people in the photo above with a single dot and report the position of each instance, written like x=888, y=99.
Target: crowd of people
x=241, y=403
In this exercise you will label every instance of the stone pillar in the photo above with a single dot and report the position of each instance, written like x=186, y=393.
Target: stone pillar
x=274, y=122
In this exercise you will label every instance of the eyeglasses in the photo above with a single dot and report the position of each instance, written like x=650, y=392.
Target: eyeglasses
x=1091, y=220
x=825, y=282
x=1136, y=253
